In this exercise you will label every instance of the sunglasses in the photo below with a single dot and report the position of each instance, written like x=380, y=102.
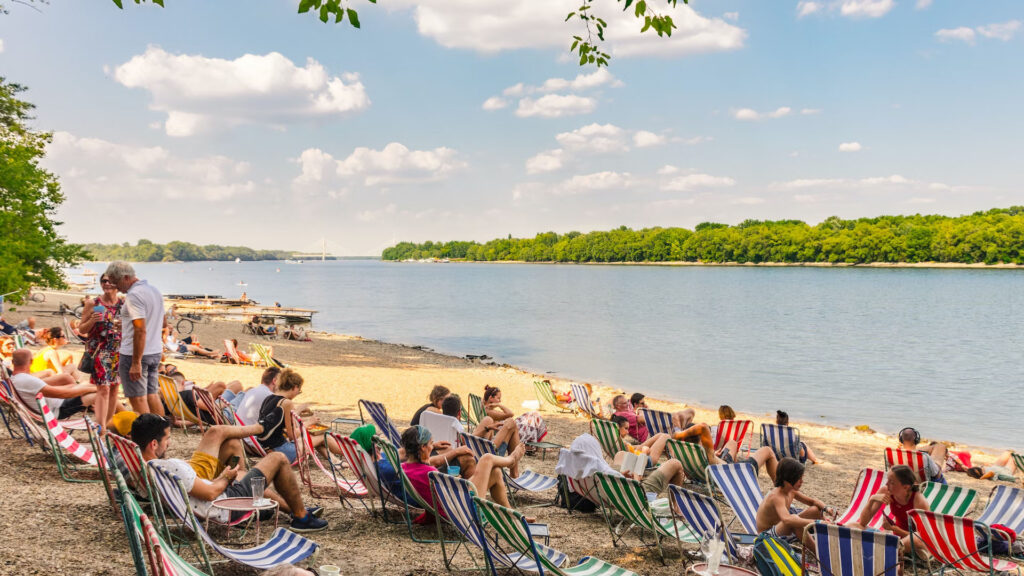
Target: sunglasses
x=106, y=281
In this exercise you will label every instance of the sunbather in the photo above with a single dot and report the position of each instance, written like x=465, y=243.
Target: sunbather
x=530, y=424
x=296, y=333
x=700, y=433
x=63, y=401
x=216, y=390
x=782, y=419
x=153, y=435
x=275, y=416
x=51, y=360
x=933, y=453
x=774, y=514
x=1002, y=469
x=437, y=395
x=902, y=495
x=681, y=419
x=653, y=446
x=182, y=347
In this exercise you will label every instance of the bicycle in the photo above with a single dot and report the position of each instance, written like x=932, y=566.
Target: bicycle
x=187, y=321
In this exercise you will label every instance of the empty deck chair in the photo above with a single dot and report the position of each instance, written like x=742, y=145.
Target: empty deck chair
x=628, y=498
x=379, y=414
x=305, y=453
x=528, y=480
x=949, y=499
x=476, y=409
x=364, y=468
x=843, y=551
x=658, y=422
x=738, y=483
x=702, y=515
x=1005, y=506
x=953, y=542
x=911, y=458
x=61, y=441
x=546, y=397
x=607, y=434
x=733, y=430
x=581, y=396
x=693, y=458
x=869, y=482
x=784, y=440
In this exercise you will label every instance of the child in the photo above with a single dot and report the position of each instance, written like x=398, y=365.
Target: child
x=653, y=446
x=774, y=514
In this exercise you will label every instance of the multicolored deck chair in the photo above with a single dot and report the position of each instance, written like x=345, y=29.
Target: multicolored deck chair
x=128, y=458
x=61, y=441
x=586, y=488
x=733, y=430
x=546, y=397
x=607, y=434
x=953, y=542
x=413, y=499
x=512, y=528
x=207, y=405
x=702, y=515
x=334, y=484
x=10, y=416
x=658, y=422
x=693, y=458
x=251, y=444
x=949, y=499
x=281, y=547
x=1018, y=459
x=784, y=440
x=528, y=480
x=627, y=497
x=476, y=410
x=363, y=466
x=130, y=514
x=738, y=483
x=32, y=411
x=265, y=356
x=775, y=558
x=843, y=551
x=379, y=414
x=175, y=405
x=163, y=561
x=1005, y=506
x=912, y=458
x=33, y=430
x=102, y=458
x=869, y=482
x=581, y=396
x=232, y=353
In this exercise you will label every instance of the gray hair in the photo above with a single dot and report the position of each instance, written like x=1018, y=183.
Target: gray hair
x=119, y=269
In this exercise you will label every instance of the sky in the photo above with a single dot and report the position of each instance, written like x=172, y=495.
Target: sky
x=244, y=123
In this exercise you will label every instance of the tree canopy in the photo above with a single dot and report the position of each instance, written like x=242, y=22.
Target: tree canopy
x=995, y=236
x=146, y=251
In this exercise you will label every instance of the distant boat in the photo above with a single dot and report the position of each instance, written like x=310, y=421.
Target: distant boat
x=290, y=261
x=237, y=260
x=242, y=283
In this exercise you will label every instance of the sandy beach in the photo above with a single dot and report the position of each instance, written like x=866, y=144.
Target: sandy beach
x=52, y=527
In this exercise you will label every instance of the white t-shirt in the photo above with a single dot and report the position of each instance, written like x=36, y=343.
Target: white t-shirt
x=28, y=386
x=202, y=508
x=442, y=428
x=142, y=302
x=249, y=409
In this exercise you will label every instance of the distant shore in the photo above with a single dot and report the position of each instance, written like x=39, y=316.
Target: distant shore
x=944, y=265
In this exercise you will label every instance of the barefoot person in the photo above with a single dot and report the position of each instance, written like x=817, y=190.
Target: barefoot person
x=901, y=495
x=806, y=454
x=142, y=319
x=530, y=424
x=653, y=446
x=101, y=322
x=774, y=514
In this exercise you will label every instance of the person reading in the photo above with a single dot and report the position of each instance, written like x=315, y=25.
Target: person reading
x=775, y=515
x=653, y=446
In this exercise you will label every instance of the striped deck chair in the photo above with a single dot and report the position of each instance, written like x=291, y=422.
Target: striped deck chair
x=265, y=356
x=32, y=429
x=912, y=458
x=60, y=439
x=528, y=480
x=585, y=487
x=953, y=542
x=658, y=422
x=843, y=551
x=733, y=430
x=581, y=396
x=205, y=402
x=784, y=440
x=607, y=434
x=364, y=468
x=102, y=459
x=511, y=527
x=127, y=462
x=702, y=515
x=546, y=397
x=869, y=482
x=628, y=498
x=281, y=547
x=32, y=411
x=476, y=409
x=738, y=483
x=175, y=405
x=413, y=500
x=693, y=458
x=251, y=444
x=1005, y=506
x=10, y=416
x=1018, y=459
x=305, y=453
x=949, y=499
x=131, y=511
x=379, y=414
x=163, y=560
x=232, y=352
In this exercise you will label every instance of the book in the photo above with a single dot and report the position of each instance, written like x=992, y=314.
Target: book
x=634, y=463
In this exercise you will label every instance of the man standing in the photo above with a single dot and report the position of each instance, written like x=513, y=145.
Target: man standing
x=142, y=320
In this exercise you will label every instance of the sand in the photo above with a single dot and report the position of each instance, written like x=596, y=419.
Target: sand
x=48, y=526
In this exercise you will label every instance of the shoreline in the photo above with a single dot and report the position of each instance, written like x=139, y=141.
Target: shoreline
x=683, y=263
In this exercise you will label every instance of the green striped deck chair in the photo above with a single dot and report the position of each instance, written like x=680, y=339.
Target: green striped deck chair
x=476, y=409
x=413, y=499
x=693, y=458
x=264, y=355
x=511, y=527
x=1019, y=460
x=607, y=434
x=948, y=499
x=546, y=396
x=628, y=498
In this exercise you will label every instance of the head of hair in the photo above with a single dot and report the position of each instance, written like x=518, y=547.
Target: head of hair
x=636, y=398
x=975, y=472
x=452, y=406
x=617, y=399
x=781, y=418
x=905, y=476
x=909, y=435
x=269, y=374
x=413, y=439
x=119, y=269
x=490, y=392
x=54, y=333
x=789, y=470
x=437, y=393
x=21, y=358
x=289, y=380
x=234, y=342
x=148, y=427
x=620, y=421
x=725, y=412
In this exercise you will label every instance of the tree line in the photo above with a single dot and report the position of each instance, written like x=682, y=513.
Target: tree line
x=990, y=237
x=146, y=251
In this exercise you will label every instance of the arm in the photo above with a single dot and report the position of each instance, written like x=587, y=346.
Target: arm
x=138, y=345
x=800, y=497
x=451, y=454
x=72, y=391
x=498, y=412
x=88, y=320
x=211, y=491
x=286, y=408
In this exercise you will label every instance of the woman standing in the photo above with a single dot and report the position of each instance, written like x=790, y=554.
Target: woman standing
x=101, y=321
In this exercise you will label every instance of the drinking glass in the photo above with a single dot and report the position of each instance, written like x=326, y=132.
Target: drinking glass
x=258, y=483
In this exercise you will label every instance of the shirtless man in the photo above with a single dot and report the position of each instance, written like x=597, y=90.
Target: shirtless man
x=774, y=513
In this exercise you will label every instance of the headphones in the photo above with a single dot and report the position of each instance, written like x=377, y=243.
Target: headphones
x=917, y=435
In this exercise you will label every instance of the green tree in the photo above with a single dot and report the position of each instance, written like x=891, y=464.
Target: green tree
x=32, y=252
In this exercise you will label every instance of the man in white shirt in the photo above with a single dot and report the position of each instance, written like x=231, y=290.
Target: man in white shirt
x=247, y=402
x=142, y=320
x=63, y=401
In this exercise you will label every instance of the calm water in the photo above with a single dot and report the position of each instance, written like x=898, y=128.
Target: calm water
x=937, y=349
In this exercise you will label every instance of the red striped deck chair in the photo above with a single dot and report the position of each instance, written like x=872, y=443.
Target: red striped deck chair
x=363, y=468
x=305, y=453
x=61, y=439
x=102, y=459
x=34, y=434
x=953, y=542
x=232, y=352
x=252, y=446
x=737, y=430
x=912, y=458
x=205, y=402
x=869, y=482
x=163, y=561
x=10, y=415
x=33, y=412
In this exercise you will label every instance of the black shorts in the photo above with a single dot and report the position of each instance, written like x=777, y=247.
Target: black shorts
x=242, y=488
x=69, y=407
x=190, y=402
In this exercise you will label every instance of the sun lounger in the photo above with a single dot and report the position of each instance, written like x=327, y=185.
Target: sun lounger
x=379, y=414
x=628, y=498
x=738, y=484
x=1005, y=506
x=911, y=458
x=658, y=422
x=581, y=396
x=702, y=515
x=546, y=397
x=869, y=482
x=265, y=356
x=175, y=405
x=953, y=543
x=61, y=441
x=528, y=480
x=607, y=434
x=733, y=430
x=693, y=459
x=234, y=356
x=205, y=404
x=783, y=440
x=842, y=551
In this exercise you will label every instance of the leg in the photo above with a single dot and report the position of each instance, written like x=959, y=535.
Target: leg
x=216, y=437
x=467, y=465
x=101, y=405
x=487, y=477
x=765, y=457
x=810, y=455
x=150, y=375
x=674, y=471
x=277, y=469
x=657, y=445
x=235, y=386
x=155, y=406
x=485, y=428
x=216, y=389
x=59, y=380
x=509, y=435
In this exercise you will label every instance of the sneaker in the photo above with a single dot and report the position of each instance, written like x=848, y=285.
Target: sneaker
x=307, y=523
x=316, y=511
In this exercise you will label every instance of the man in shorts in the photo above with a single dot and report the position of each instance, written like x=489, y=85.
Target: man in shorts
x=153, y=435
x=142, y=321
x=775, y=514
x=63, y=401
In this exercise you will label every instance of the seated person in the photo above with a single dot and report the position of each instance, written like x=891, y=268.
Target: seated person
x=247, y=402
x=182, y=347
x=242, y=356
x=530, y=424
x=153, y=435
x=437, y=395
x=901, y=495
x=566, y=401
x=654, y=446
x=279, y=435
x=935, y=452
x=296, y=333
x=584, y=458
x=188, y=397
x=6, y=328
x=261, y=329
x=463, y=456
x=63, y=401
x=52, y=361
x=775, y=512
x=763, y=457
x=782, y=419
x=1002, y=469
x=680, y=419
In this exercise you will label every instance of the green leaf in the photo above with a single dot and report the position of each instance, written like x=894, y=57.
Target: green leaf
x=159, y=3
x=353, y=18
x=641, y=8
x=339, y=16
x=118, y=4
x=626, y=7
x=583, y=60
x=305, y=5
x=647, y=24
x=571, y=14
x=575, y=43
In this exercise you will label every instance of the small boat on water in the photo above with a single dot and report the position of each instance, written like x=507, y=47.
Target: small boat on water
x=290, y=261
x=237, y=260
x=242, y=283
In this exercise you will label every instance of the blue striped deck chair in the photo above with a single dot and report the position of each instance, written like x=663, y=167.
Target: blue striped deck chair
x=658, y=422
x=455, y=497
x=379, y=414
x=511, y=528
x=282, y=547
x=784, y=440
x=1005, y=506
x=627, y=497
x=702, y=515
x=738, y=485
x=581, y=396
x=843, y=551
x=528, y=480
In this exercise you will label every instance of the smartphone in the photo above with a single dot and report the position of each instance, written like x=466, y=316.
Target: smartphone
x=232, y=462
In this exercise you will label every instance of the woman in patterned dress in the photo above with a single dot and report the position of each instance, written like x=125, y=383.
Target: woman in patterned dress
x=103, y=325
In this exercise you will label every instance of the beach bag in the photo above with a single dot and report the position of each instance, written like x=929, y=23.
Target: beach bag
x=271, y=418
x=775, y=557
x=570, y=500
x=87, y=364
x=1003, y=539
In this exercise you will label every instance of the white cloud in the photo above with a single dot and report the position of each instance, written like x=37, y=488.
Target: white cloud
x=199, y=93
x=581, y=82
x=393, y=164
x=1003, y=31
x=691, y=182
x=866, y=8
x=694, y=140
x=923, y=4
x=850, y=147
x=667, y=169
x=599, y=138
x=806, y=8
x=963, y=34
x=104, y=170
x=376, y=215
x=747, y=200
x=734, y=16
x=597, y=181
x=920, y=200
x=894, y=181
x=494, y=103
x=555, y=106
x=810, y=111
x=545, y=162
x=750, y=114
x=645, y=139
x=1, y=45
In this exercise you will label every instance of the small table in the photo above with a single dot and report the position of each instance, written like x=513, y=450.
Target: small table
x=244, y=504
x=700, y=568
x=337, y=422
x=544, y=447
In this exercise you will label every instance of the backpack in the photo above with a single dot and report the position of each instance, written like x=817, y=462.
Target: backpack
x=775, y=557
x=570, y=500
x=271, y=418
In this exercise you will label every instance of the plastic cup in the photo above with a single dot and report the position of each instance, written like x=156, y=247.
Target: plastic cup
x=258, y=483
x=100, y=308
x=652, y=496
x=330, y=570
x=454, y=469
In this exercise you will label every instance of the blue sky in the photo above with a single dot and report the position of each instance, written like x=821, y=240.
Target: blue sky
x=244, y=123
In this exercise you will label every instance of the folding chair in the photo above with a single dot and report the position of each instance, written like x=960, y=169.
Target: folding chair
x=775, y=558
x=702, y=515
x=607, y=434
x=1018, y=459
x=476, y=409
x=265, y=356
x=1005, y=506
x=658, y=422
x=953, y=543
x=783, y=440
x=949, y=499
x=528, y=480
x=126, y=457
x=581, y=396
x=232, y=352
x=175, y=405
x=733, y=430
x=305, y=452
x=102, y=458
x=869, y=482
x=546, y=396
x=59, y=440
x=32, y=412
x=911, y=458
x=693, y=458
x=843, y=551
x=391, y=454
x=379, y=414
x=738, y=484
x=205, y=400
